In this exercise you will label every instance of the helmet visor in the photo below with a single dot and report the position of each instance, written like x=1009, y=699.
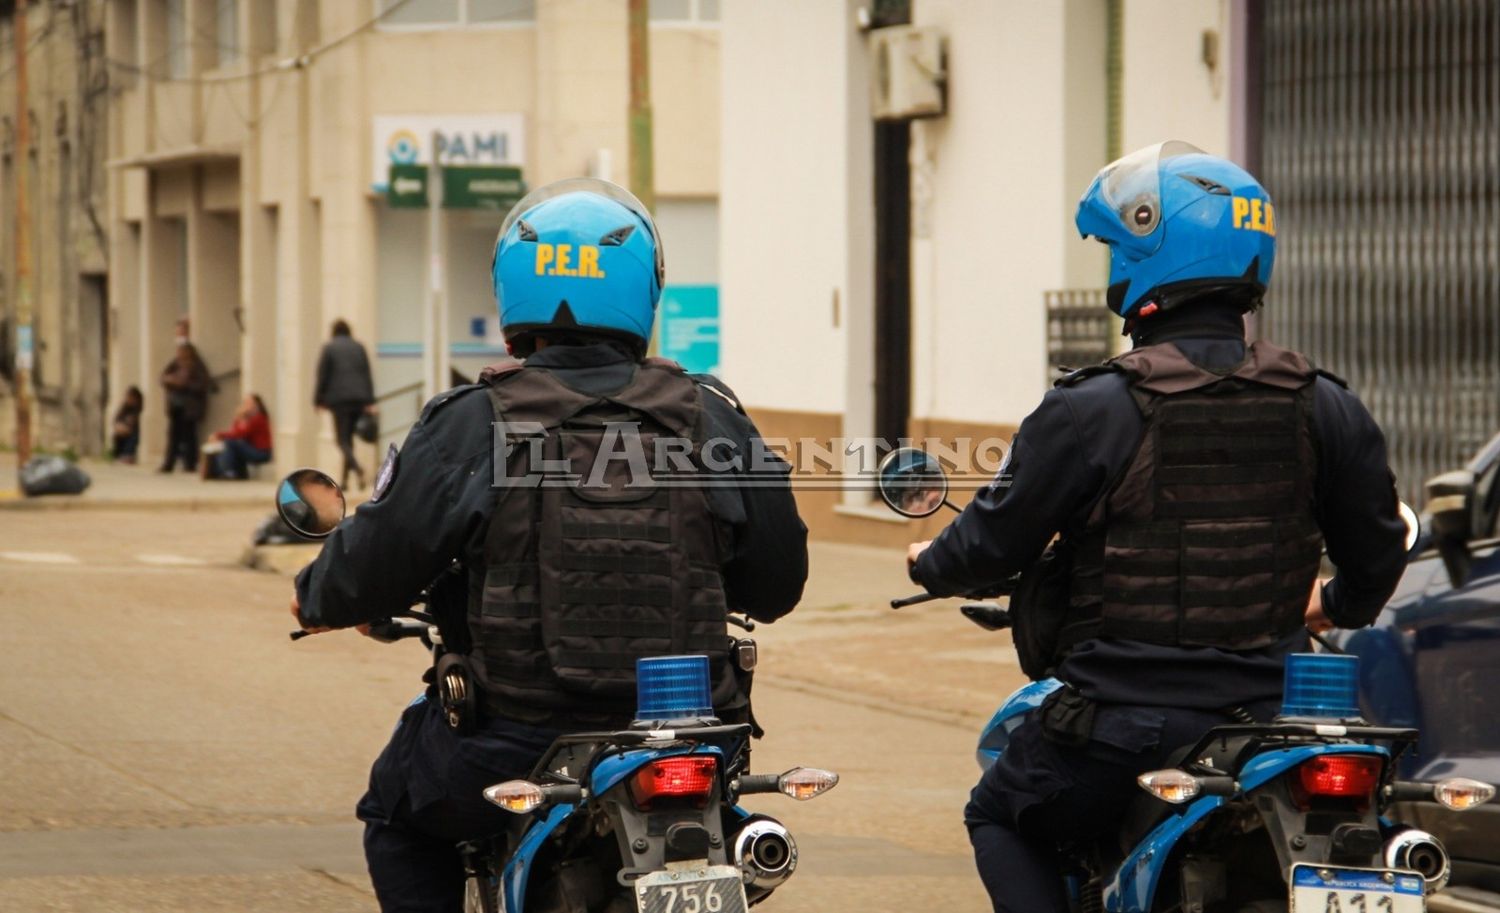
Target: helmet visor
x=1132, y=185
x=587, y=185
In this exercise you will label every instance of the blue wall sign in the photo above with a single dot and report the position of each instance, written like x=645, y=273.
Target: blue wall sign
x=690, y=327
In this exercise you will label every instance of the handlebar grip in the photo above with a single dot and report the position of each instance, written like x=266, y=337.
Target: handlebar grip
x=392, y=630
x=298, y=635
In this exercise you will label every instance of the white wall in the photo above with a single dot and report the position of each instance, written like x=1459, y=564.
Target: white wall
x=1168, y=91
x=1001, y=206
x=784, y=232
x=995, y=187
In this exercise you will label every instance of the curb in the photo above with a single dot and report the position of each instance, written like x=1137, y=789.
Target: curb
x=280, y=559
x=10, y=500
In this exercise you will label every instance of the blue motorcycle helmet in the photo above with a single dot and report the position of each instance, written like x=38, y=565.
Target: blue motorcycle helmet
x=579, y=255
x=1180, y=224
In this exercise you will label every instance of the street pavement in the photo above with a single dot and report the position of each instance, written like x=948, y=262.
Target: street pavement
x=164, y=747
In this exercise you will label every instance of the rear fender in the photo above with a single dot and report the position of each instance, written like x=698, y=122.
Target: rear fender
x=996, y=733
x=609, y=773
x=518, y=868
x=1133, y=887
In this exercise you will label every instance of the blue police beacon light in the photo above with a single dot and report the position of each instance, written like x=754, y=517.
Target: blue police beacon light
x=672, y=688
x=1321, y=685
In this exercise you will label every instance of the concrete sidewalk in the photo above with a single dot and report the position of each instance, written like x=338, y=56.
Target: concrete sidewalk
x=119, y=486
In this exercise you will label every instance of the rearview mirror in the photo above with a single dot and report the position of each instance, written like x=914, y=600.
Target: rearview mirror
x=1450, y=504
x=311, y=503
x=912, y=482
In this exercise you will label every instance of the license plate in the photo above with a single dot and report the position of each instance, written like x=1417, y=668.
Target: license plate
x=1326, y=889
x=695, y=889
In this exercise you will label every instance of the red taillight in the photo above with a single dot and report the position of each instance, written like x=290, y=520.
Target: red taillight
x=682, y=777
x=1345, y=775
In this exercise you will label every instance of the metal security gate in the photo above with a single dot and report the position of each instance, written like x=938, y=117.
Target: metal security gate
x=1380, y=143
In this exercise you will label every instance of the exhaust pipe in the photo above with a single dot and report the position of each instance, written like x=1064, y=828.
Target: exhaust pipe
x=1420, y=852
x=766, y=852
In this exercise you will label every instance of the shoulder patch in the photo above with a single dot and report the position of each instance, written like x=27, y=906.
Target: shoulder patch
x=385, y=475
x=1333, y=377
x=1083, y=374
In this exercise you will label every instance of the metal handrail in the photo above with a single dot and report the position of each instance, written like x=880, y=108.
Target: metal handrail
x=399, y=391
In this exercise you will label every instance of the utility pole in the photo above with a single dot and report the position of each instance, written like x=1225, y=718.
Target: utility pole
x=642, y=170
x=24, y=342
x=435, y=354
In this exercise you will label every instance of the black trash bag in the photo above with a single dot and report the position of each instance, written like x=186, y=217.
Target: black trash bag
x=367, y=427
x=274, y=531
x=52, y=475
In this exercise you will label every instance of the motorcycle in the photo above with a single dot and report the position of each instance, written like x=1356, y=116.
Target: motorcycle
x=1294, y=814
x=645, y=819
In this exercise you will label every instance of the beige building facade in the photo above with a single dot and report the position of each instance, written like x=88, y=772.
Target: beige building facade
x=67, y=100
x=249, y=162
x=913, y=257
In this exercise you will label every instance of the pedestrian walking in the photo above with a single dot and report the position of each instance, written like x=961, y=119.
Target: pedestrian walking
x=127, y=426
x=187, y=384
x=345, y=389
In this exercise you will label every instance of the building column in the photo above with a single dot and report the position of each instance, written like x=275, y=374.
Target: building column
x=160, y=307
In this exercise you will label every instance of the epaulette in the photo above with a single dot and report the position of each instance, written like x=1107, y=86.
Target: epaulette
x=500, y=369
x=715, y=386
x=1333, y=377
x=448, y=396
x=1083, y=374
x=657, y=361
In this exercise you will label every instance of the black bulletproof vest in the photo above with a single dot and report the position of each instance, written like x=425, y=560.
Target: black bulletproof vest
x=1210, y=537
x=596, y=558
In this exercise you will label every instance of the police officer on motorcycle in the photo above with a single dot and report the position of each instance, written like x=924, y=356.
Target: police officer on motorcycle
x=583, y=547
x=1192, y=483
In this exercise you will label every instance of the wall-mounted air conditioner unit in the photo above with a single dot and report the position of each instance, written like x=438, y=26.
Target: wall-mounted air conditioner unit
x=910, y=72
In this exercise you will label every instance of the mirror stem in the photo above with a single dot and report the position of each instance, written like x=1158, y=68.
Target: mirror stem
x=1327, y=645
x=951, y=506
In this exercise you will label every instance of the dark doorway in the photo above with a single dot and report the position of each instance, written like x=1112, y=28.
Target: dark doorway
x=892, y=280
x=93, y=327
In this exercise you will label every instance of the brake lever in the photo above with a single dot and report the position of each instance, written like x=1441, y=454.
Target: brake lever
x=744, y=624
x=912, y=600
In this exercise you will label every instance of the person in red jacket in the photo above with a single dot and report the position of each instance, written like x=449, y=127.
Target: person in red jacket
x=247, y=441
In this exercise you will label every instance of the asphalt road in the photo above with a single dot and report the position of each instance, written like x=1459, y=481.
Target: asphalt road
x=164, y=747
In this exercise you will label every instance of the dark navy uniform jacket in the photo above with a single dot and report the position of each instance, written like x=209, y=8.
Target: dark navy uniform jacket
x=1062, y=462
x=437, y=507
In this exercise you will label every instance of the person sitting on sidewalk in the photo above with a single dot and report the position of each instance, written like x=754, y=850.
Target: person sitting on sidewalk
x=127, y=426
x=247, y=441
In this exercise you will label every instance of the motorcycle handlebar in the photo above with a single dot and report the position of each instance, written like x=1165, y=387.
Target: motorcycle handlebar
x=387, y=630
x=905, y=601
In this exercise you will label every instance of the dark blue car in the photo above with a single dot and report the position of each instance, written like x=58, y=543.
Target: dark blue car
x=1432, y=660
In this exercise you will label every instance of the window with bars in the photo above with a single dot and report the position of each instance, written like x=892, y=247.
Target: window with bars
x=454, y=13
x=689, y=12
x=1080, y=330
